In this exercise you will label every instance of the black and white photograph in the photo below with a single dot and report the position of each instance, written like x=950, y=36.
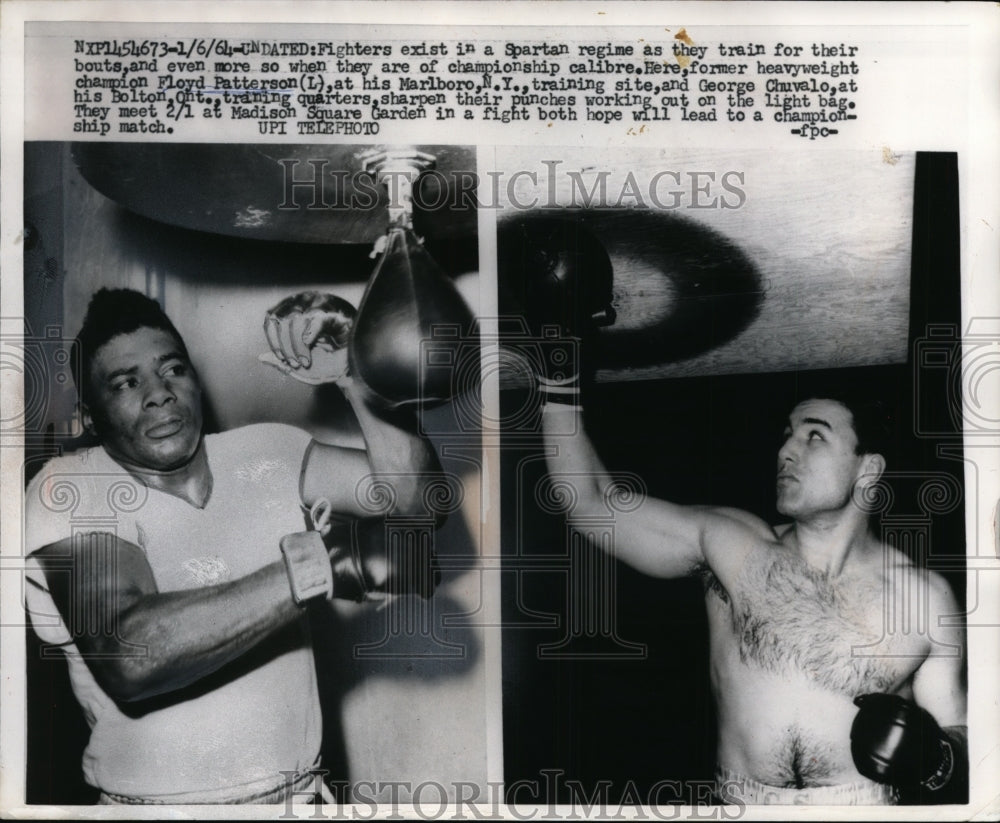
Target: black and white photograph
x=504, y=410
x=245, y=514
x=734, y=548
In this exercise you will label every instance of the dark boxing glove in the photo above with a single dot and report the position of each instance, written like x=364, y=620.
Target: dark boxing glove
x=363, y=562
x=562, y=278
x=893, y=740
x=371, y=558
x=568, y=277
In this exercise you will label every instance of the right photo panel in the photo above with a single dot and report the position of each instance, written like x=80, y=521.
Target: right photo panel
x=732, y=478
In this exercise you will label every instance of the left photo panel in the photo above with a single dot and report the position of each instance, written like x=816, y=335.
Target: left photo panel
x=252, y=475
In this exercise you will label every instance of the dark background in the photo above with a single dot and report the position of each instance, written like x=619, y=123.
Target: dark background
x=633, y=721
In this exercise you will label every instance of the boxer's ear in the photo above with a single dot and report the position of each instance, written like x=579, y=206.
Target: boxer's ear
x=87, y=418
x=872, y=466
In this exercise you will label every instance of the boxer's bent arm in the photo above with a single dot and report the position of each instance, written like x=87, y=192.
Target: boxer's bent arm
x=939, y=685
x=658, y=538
x=394, y=450
x=666, y=540
x=186, y=634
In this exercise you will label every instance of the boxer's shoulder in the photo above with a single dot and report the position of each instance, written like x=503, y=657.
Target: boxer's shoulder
x=894, y=569
x=908, y=581
x=732, y=537
x=262, y=437
x=744, y=521
x=73, y=473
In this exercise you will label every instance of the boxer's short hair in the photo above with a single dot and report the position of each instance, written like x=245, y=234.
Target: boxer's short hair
x=872, y=421
x=112, y=312
x=873, y=424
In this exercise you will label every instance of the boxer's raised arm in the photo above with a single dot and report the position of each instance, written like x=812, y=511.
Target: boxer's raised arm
x=308, y=334
x=396, y=454
x=566, y=280
x=658, y=538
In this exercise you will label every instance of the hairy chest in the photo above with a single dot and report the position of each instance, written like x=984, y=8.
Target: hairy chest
x=844, y=636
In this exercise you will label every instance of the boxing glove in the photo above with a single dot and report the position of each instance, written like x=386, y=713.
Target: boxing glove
x=371, y=558
x=895, y=741
x=560, y=274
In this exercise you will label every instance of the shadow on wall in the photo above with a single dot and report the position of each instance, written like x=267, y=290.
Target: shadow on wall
x=373, y=644
x=680, y=287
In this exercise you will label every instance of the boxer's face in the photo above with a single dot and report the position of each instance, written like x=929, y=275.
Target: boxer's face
x=817, y=464
x=145, y=400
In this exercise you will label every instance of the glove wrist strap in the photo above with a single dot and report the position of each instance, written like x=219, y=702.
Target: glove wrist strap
x=944, y=770
x=308, y=566
x=561, y=393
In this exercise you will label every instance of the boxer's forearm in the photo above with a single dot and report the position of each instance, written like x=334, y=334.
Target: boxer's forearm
x=656, y=537
x=570, y=455
x=395, y=449
x=165, y=641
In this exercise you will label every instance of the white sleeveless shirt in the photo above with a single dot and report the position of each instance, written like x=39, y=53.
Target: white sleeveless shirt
x=236, y=730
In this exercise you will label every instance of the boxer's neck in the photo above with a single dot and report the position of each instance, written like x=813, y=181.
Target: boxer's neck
x=833, y=541
x=191, y=482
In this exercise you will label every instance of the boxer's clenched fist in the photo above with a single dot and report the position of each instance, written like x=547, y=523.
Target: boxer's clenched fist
x=367, y=565
x=563, y=275
x=308, y=335
x=893, y=740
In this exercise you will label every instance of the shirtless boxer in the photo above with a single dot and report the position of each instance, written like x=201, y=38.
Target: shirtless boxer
x=174, y=567
x=835, y=677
